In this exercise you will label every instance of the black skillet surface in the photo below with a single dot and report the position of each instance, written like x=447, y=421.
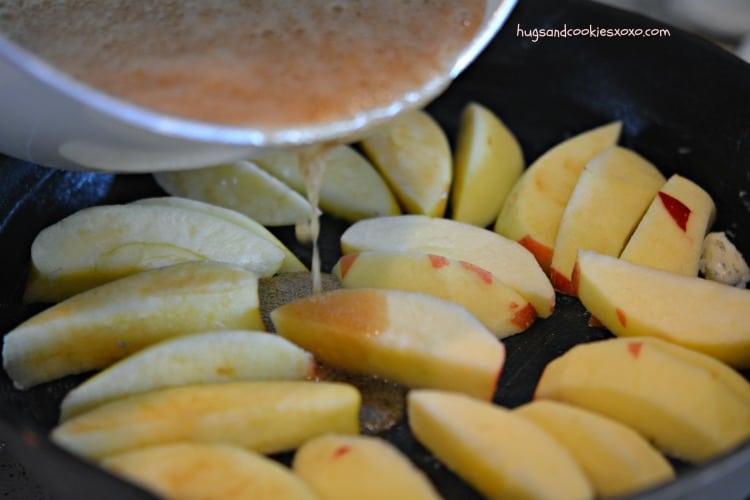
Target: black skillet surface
x=684, y=103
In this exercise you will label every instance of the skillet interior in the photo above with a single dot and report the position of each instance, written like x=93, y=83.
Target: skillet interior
x=684, y=103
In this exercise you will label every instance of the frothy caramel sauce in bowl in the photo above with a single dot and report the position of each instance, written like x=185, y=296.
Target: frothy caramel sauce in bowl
x=157, y=85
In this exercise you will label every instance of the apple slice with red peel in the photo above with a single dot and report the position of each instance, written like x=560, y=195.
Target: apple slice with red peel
x=533, y=210
x=609, y=199
x=210, y=357
x=500, y=308
x=670, y=235
x=363, y=467
x=267, y=417
x=95, y=328
x=497, y=451
x=196, y=470
x=507, y=260
x=690, y=409
x=411, y=338
x=633, y=300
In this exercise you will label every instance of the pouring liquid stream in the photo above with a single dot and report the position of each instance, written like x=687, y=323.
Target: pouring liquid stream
x=312, y=166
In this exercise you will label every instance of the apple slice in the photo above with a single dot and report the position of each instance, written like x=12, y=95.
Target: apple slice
x=267, y=417
x=610, y=198
x=99, y=244
x=290, y=264
x=487, y=163
x=670, y=235
x=632, y=300
x=685, y=408
x=100, y=326
x=498, y=452
x=413, y=155
x=507, y=260
x=500, y=308
x=411, y=338
x=363, y=467
x=194, y=470
x=351, y=189
x=219, y=356
x=534, y=208
x=242, y=186
x=617, y=460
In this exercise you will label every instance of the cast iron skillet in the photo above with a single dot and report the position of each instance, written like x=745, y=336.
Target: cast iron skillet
x=684, y=103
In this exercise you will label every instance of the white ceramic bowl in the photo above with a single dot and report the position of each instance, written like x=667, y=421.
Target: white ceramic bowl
x=51, y=119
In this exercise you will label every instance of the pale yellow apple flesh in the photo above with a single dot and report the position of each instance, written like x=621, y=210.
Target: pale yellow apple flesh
x=507, y=260
x=413, y=155
x=192, y=470
x=633, y=300
x=616, y=459
x=500, y=308
x=242, y=186
x=533, y=210
x=351, y=188
x=219, y=356
x=95, y=328
x=685, y=408
x=363, y=467
x=609, y=199
x=670, y=235
x=291, y=262
x=498, y=452
x=267, y=417
x=411, y=338
x=488, y=161
x=98, y=244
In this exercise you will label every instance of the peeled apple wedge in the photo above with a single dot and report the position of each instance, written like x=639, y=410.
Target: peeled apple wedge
x=487, y=163
x=242, y=186
x=500, y=308
x=411, y=338
x=267, y=417
x=670, y=235
x=498, y=452
x=100, y=326
x=219, y=356
x=616, y=459
x=290, y=264
x=413, y=155
x=192, y=470
x=534, y=208
x=506, y=259
x=351, y=188
x=363, y=467
x=608, y=201
x=692, y=410
x=99, y=244
x=633, y=300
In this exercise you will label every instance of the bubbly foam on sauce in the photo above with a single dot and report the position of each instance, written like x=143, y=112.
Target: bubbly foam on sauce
x=269, y=63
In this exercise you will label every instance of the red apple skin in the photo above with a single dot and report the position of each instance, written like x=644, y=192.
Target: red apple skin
x=540, y=251
x=676, y=209
x=524, y=317
x=561, y=283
